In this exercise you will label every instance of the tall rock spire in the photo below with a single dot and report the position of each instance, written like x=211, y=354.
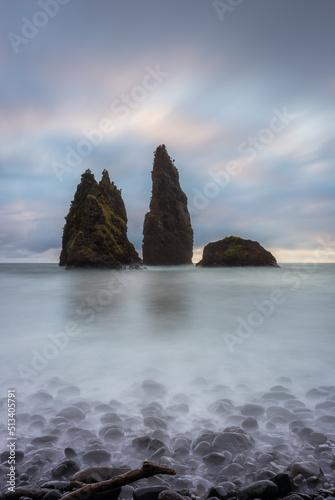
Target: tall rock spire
x=95, y=233
x=167, y=230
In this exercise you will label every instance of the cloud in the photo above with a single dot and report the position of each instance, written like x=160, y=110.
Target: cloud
x=224, y=80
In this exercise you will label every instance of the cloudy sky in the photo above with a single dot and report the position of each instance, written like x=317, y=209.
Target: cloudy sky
x=241, y=92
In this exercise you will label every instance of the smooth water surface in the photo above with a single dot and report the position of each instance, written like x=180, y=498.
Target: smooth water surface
x=105, y=330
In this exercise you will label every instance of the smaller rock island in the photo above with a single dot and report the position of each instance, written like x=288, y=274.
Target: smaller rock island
x=233, y=251
x=95, y=233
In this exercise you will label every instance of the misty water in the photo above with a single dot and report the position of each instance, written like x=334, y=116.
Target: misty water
x=171, y=324
x=75, y=337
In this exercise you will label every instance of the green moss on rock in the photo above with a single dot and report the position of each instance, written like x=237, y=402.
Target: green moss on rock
x=95, y=233
x=233, y=251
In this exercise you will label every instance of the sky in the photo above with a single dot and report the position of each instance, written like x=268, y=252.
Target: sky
x=241, y=92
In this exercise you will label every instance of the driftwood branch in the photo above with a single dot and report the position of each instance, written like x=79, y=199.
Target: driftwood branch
x=148, y=469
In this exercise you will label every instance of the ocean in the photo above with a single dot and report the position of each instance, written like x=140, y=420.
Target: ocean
x=232, y=325
x=212, y=369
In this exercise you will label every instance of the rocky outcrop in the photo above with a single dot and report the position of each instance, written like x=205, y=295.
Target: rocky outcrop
x=95, y=233
x=167, y=230
x=233, y=252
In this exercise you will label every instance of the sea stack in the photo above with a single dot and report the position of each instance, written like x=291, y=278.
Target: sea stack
x=235, y=252
x=95, y=233
x=167, y=230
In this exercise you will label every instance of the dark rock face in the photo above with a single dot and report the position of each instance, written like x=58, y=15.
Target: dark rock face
x=167, y=230
x=95, y=233
x=233, y=252
x=265, y=490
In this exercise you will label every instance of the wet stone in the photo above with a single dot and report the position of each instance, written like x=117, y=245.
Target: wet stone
x=229, y=486
x=79, y=432
x=252, y=410
x=316, y=438
x=107, y=495
x=239, y=459
x=264, y=474
x=207, y=436
x=152, y=388
x=304, y=433
x=70, y=453
x=127, y=492
x=72, y=413
x=19, y=456
x=265, y=490
x=317, y=393
x=110, y=418
x=278, y=411
x=278, y=396
x=326, y=421
x=221, y=407
x=154, y=423
x=154, y=445
x=279, y=388
x=96, y=457
x=235, y=419
x=141, y=443
x=295, y=404
x=178, y=409
x=217, y=491
x=181, y=453
x=305, y=415
x=153, y=409
x=36, y=426
x=181, y=484
x=28, y=492
x=113, y=434
x=170, y=495
x=148, y=493
x=181, y=441
x=284, y=483
x=58, y=421
x=250, y=424
x=57, y=485
x=65, y=469
x=233, y=442
x=294, y=496
x=232, y=470
x=264, y=459
x=180, y=397
x=41, y=397
x=306, y=469
x=102, y=408
x=53, y=495
x=44, y=440
x=70, y=391
x=214, y=459
x=202, y=448
x=325, y=405
x=158, y=454
x=82, y=405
